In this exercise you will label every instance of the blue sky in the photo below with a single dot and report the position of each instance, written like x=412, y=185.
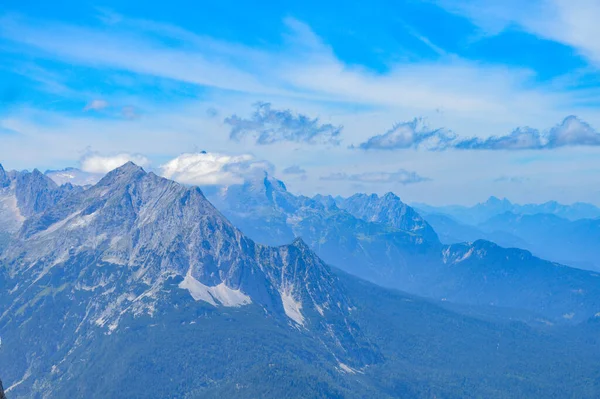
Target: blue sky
x=446, y=101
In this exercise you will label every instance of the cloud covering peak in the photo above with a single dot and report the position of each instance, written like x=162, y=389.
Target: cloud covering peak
x=96, y=163
x=269, y=126
x=213, y=168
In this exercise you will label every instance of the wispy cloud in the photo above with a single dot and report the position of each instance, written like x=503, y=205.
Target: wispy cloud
x=268, y=126
x=573, y=23
x=303, y=68
x=570, y=132
x=511, y=179
x=96, y=105
x=205, y=168
x=129, y=112
x=410, y=135
x=96, y=163
x=401, y=176
x=293, y=170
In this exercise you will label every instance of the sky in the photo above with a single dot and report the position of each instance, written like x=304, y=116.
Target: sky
x=438, y=101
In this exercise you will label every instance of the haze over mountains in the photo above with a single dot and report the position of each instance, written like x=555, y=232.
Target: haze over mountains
x=385, y=241
x=562, y=233
x=494, y=206
x=138, y=277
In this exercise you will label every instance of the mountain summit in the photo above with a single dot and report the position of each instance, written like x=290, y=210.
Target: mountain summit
x=388, y=210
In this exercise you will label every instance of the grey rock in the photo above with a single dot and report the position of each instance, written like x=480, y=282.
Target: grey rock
x=388, y=210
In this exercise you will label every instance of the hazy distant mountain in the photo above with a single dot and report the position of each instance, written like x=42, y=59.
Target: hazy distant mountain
x=73, y=176
x=452, y=231
x=139, y=287
x=388, y=210
x=494, y=206
x=571, y=242
x=477, y=273
x=265, y=211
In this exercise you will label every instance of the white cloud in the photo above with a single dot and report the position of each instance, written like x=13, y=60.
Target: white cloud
x=268, y=126
x=304, y=68
x=573, y=23
x=213, y=168
x=96, y=105
x=96, y=163
x=410, y=135
x=472, y=99
x=571, y=132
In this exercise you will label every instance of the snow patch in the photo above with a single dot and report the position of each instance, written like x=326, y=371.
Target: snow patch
x=466, y=256
x=320, y=310
x=10, y=214
x=22, y=380
x=220, y=294
x=83, y=221
x=53, y=227
x=292, y=307
x=346, y=369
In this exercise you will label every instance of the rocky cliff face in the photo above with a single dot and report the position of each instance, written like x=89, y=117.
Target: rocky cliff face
x=388, y=210
x=24, y=194
x=2, y=395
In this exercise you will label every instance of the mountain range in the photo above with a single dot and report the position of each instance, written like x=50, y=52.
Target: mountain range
x=138, y=286
x=387, y=242
x=568, y=239
x=494, y=206
x=114, y=248
x=572, y=242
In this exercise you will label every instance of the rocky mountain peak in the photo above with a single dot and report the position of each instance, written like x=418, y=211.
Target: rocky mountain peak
x=35, y=192
x=4, y=179
x=495, y=201
x=123, y=174
x=271, y=183
x=300, y=244
x=327, y=201
x=389, y=210
x=145, y=230
x=390, y=197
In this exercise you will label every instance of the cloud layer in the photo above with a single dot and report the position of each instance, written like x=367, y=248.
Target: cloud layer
x=294, y=170
x=268, y=126
x=213, y=168
x=401, y=176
